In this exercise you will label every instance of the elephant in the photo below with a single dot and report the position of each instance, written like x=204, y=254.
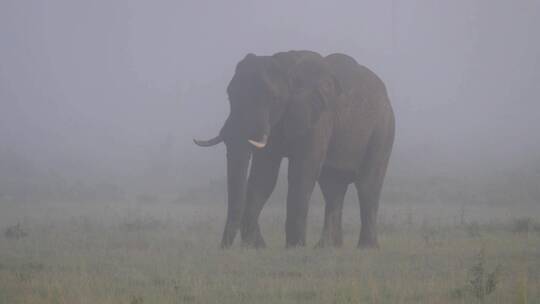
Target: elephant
x=330, y=116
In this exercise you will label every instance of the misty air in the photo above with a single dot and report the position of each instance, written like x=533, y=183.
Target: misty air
x=269, y=152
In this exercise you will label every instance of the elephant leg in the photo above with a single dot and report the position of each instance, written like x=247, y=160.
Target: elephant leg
x=333, y=190
x=368, y=196
x=237, y=167
x=369, y=185
x=262, y=181
x=303, y=173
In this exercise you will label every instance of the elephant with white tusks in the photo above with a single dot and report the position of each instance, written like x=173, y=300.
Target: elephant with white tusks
x=332, y=119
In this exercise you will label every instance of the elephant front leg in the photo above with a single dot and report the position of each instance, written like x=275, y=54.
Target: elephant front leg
x=237, y=166
x=302, y=175
x=262, y=181
x=308, y=155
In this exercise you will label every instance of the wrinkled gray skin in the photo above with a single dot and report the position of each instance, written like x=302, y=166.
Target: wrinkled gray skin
x=332, y=119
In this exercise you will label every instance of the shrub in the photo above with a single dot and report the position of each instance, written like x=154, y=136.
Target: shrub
x=522, y=225
x=473, y=229
x=15, y=232
x=481, y=281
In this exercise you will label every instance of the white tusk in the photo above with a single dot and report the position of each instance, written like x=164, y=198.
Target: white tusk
x=259, y=144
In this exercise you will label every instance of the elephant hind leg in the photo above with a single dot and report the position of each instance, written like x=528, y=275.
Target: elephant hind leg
x=333, y=189
x=368, y=191
x=369, y=185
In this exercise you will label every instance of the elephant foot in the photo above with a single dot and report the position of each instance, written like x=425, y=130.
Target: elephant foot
x=257, y=244
x=294, y=238
x=253, y=240
x=292, y=246
x=227, y=240
x=365, y=243
x=295, y=244
x=321, y=244
x=225, y=244
x=326, y=242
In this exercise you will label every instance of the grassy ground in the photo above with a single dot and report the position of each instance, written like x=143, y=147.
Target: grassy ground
x=128, y=253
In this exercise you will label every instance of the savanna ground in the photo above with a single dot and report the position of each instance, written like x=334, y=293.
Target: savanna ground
x=168, y=253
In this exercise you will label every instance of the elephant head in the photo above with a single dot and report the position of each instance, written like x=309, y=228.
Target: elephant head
x=289, y=90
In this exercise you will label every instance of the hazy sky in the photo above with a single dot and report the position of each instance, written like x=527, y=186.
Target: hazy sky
x=116, y=86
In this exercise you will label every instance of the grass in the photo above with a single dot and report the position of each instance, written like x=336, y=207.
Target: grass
x=138, y=254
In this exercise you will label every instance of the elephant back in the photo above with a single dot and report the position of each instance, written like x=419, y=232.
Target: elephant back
x=354, y=77
x=289, y=59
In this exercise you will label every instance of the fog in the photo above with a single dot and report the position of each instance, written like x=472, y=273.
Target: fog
x=101, y=99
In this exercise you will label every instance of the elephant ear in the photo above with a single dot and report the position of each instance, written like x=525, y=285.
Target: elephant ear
x=299, y=118
x=327, y=92
x=314, y=92
x=275, y=81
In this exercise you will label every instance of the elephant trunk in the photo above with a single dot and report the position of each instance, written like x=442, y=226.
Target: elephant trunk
x=215, y=140
x=238, y=156
x=208, y=143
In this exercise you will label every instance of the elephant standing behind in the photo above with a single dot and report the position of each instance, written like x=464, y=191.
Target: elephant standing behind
x=332, y=119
